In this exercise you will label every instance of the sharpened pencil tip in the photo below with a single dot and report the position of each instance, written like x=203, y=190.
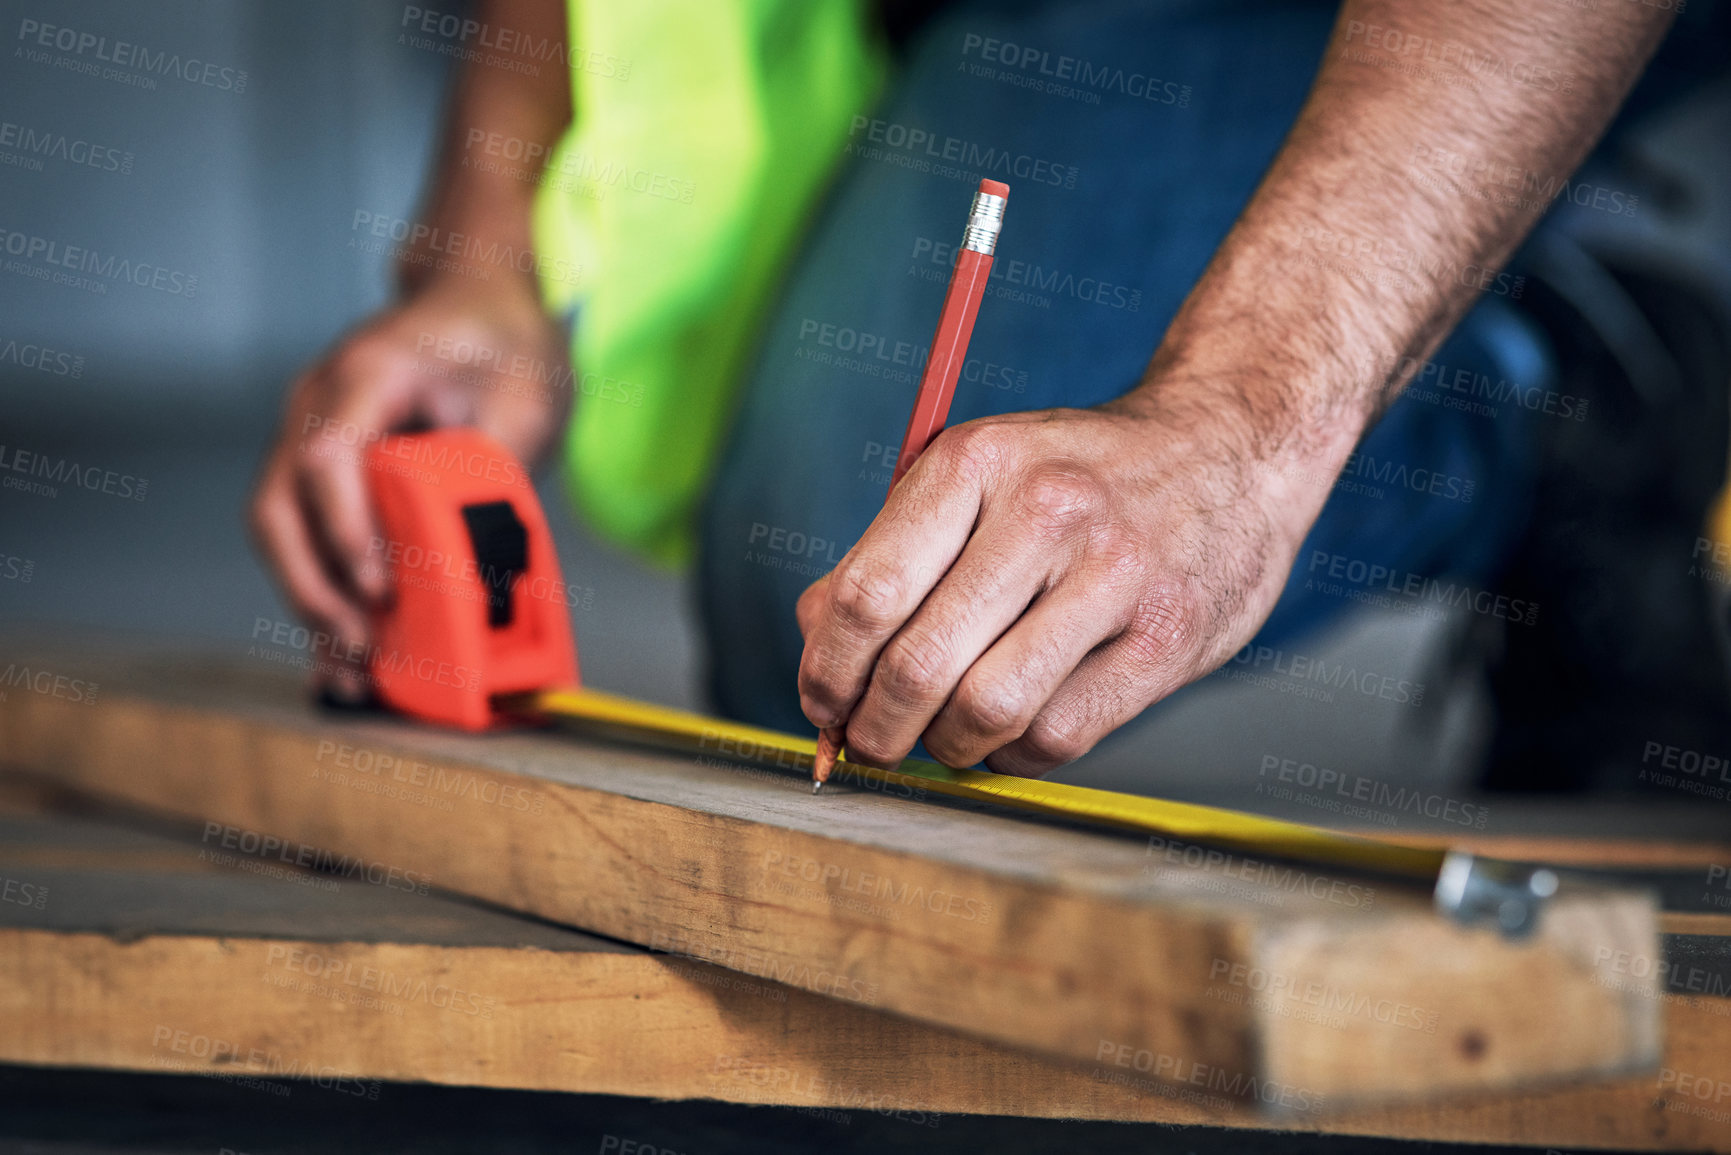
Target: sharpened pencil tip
x=829, y=742
x=817, y=787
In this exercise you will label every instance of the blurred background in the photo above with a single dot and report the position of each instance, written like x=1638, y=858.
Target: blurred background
x=250, y=184
x=251, y=189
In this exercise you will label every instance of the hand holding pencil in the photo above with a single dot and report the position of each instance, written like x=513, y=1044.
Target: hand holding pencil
x=938, y=383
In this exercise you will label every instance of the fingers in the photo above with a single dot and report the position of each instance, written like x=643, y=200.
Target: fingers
x=1003, y=568
x=280, y=526
x=312, y=514
x=1110, y=686
x=368, y=396
x=882, y=580
x=998, y=698
x=810, y=605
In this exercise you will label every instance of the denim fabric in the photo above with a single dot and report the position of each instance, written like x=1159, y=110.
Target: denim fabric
x=1123, y=183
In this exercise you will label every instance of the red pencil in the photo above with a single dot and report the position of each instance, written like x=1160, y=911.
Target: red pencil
x=938, y=382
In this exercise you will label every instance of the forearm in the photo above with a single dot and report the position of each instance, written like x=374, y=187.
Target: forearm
x=500, y=125
x=1354, y=260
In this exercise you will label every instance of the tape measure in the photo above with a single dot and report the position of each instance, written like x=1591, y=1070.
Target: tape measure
x=477, y=635
x=731, y=741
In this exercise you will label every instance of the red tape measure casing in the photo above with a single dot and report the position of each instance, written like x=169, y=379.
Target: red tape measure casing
x=477, y=606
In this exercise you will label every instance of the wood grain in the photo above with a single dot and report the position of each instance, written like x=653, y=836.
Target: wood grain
x=1026, y=933
x=149, y=954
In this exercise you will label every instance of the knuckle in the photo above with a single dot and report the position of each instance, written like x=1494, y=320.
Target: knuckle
x=991, y=707
x=363, y=359
x=1165, y=628
x=913, y=670
x=826, y=687
x=865, y=595
x=1058, y=499
x=871, y=746
x=1116, y=556
x=1051, y=742
x=970, y=453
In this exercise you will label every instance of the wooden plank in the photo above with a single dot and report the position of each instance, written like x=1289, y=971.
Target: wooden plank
x=1027, y=933
x=147, y=954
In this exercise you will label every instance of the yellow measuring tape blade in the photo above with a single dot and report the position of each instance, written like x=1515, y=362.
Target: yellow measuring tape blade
x=732, y=741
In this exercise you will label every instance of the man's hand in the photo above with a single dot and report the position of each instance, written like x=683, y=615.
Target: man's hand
x=444, y=357
x=456, y=350
x=1036, y=580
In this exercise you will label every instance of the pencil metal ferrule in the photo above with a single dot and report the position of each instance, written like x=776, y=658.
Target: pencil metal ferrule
x=985, y=219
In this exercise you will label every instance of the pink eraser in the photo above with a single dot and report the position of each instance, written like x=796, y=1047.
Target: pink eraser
x=995, y=188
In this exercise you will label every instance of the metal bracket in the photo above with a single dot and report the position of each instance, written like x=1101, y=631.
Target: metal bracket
x=1507, y=895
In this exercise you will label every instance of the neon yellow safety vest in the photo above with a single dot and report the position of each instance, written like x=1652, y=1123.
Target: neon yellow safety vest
x=705, y=131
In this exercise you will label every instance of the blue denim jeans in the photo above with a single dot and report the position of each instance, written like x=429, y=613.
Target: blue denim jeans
x=1132, y=134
